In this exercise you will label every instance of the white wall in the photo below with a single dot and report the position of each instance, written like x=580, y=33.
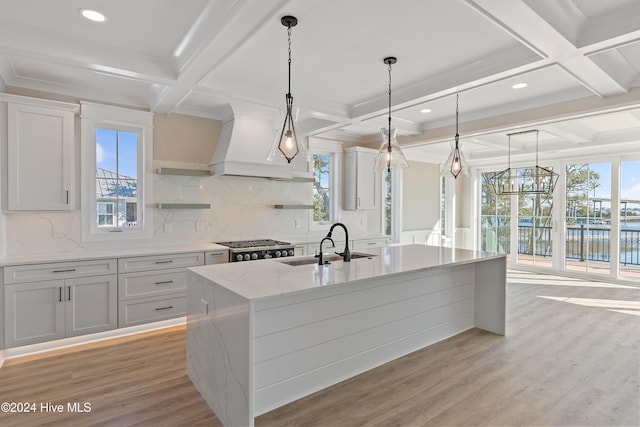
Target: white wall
x=421, y=196
x=241, y=207
x=183, y=138
x=420, y=203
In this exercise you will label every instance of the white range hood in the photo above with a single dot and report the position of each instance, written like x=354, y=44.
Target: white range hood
x=246, y=139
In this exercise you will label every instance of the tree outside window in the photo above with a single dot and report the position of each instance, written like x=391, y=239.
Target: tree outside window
x=322, y=169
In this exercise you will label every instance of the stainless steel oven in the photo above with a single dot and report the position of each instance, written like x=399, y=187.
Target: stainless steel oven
x=249, y=250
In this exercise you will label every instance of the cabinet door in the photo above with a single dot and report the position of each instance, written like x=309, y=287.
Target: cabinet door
x=40, y=154
x=365, y=179
x=91, y=304
x=34, y=312
x=359, y=179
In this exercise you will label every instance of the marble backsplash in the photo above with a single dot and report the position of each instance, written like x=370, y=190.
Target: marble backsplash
x=241, y=208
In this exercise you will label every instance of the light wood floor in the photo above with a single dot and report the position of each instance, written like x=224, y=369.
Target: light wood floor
x=571, y=357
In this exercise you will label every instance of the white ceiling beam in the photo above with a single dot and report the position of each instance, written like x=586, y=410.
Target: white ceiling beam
x=614, y=29
x=235, y=29
x=58, y=49
x=528, y=27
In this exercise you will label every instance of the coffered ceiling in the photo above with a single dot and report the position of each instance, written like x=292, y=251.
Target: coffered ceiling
x=579, y=58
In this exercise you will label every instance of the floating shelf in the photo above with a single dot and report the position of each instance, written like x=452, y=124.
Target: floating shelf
x=183, y=205
x=293, y=206
x=295, y=179
x=186, y=172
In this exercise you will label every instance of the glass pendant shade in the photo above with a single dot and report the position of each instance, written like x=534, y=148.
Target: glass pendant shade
x=390, y=154
x=288, y=144
x=456, y=163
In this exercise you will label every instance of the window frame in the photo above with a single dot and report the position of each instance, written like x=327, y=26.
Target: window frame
x=94, y=117
x=334, y=150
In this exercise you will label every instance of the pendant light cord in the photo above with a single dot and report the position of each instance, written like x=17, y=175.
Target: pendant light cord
x=457, y=134
x=289, y=39
x=389, y=102
x=389, y=127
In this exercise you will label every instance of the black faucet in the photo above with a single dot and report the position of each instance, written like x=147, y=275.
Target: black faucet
x=319, y=256
x=346, y=254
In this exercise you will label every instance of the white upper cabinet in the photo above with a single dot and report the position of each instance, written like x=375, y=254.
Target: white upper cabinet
x=40, y=154
x=359, y=178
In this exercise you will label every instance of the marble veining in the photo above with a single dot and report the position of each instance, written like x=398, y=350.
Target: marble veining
x=262, y=334
x=274, y=278
x=241, y=208
x=219, y=328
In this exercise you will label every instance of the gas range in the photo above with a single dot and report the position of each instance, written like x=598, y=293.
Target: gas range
x=249, y=250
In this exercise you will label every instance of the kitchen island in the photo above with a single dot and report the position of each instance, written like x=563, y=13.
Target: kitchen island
x=262, y=334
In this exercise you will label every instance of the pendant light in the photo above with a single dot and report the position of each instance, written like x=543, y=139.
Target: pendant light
x=457, y=160
x=288, y=144
x=537, y=180
x=390, y=153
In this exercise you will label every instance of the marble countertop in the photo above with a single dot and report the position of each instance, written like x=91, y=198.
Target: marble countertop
x=119, y=252
x=269, y=278
x=107, y=253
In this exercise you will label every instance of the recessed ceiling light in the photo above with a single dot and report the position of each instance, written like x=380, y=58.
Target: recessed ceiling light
x=425, y=110
x=93, y=15
x=519, y=85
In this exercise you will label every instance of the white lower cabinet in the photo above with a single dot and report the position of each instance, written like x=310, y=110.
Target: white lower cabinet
x=67, y=306
x=150, y=290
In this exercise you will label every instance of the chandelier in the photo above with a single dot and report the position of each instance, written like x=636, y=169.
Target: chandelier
x=523, y=181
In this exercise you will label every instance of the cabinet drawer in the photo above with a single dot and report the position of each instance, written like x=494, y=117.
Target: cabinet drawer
x=58, y=270
x=145, y=310
x=160, y=262
x=216, y=257
x=145, y=284
x=370, y=243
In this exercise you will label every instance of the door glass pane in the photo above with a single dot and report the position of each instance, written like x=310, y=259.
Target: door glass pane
x=630, y=219
x=588, y=217
x=534, y=227
x=495, y=220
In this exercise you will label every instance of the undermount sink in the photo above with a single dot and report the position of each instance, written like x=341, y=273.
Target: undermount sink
x=327, y=259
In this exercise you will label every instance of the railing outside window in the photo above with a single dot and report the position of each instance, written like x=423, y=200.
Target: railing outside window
x=582, y=243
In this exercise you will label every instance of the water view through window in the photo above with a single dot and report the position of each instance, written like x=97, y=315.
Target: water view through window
x=629, y=218
x=589, y=221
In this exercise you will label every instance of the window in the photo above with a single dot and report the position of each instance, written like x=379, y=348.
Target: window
x=495, y=220
x=326, y=167
x=116, y=176
x=386, y=207
x=106, y=217
x=322, y=188
x=116, y=147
